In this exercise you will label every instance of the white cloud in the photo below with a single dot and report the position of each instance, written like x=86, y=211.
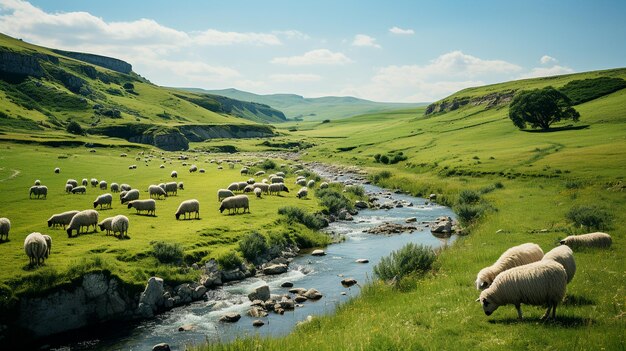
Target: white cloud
x=300, y=77
x=314, y=57
x=545, y=59
x=216, y=37
x=400, y=31
x=292, y=34
x=365, y=40
x=547, y=71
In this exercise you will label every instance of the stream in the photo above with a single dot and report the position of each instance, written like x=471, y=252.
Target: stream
x=323, y=273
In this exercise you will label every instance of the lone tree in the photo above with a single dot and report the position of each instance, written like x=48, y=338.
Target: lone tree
x=74, y=128
x=540, y=108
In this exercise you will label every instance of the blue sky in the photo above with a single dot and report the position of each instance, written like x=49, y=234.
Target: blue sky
x=408, y=51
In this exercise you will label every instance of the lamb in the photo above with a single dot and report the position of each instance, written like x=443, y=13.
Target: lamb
x=68, y=188
x=188, y=207
x=277, y=188
x=48, y=240
x=235, y=203
x=564, y=256
x=259, y=173
x=103, y=200
x=148, y=206
x=73, y=182
x=115, y=187
x=310, y=183
x=79, y=190
x=61, y=219
x=233, y=187
x=303, y=192
x=243, y=171
x=5, y=227
x=106, y=225
x=193, y=168
x=250, y=181
x=35, y=247
x=539, y=283
x=301, y=182
x=181, y=186
x=513, y=257
x=174, y=174
x=277, y=179
x=103, y=185
x=157, y=191
x=280, y=174
x=249, y=188
x=323, y=185
x=130, y=196
x=120, y=225
x=596, y=239
x=38, y=190
x=258, y=192
x=171, y=188
x=264, y=187
x=85, y=182
x=223, y=193
x=125, y=187
x=94, y=182
x=86, y=218
x=57, y=170
x=37, y=182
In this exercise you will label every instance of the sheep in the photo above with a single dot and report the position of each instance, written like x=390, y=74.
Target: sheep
x=94, y=182
x=123, y=155
x=243, y=171
x=235, y=203
x=48, y=240
x=105, y=224
x=125, y=187
x=35, y=247
x=85, y=218
x=250, y=181
x=38, y=190
x=61, y=219
x=193, y=168
x=323, y=185
x=188, y=207
x=233, y=187
x=231, y=165
x=115, y=187
x=564, y=256
x=258, y=192
x=171, y=188
x=157, y=191
x=513, y=257
x=149, y=206
x=130, y=196
x=103, y=185
x=162, y=166
x=596, y=239
x=277, y=188
x=174, y=174
x=37, y=182
x=242, y=185
x=280, y=174
x=73, y=182
x=303, y=192
x=301, y=182
x=224, y=193
x=85, y=182
x=5, y=227
x=249, y=188
x=201, y=170
x=259, y=173
x=120, y=225
x=264, y=187
x=310, y=183
x=68, y=188
x=277, y=179
x=181, y=186
x=538, y=283
x=79, y=190
x=103, y=200
x=132, y=167
x=57, y=170
x=122, y=194
x=300, y=177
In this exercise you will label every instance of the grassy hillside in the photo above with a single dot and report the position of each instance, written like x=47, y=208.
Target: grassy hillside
x=311, y=109
x=527, y=183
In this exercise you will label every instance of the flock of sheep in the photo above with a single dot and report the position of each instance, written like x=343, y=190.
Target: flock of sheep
x=524, y=275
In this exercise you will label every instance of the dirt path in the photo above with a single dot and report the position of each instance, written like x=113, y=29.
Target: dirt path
x=15, y=174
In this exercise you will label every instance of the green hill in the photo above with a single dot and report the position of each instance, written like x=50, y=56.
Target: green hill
x=42, y=89
x=311, y=109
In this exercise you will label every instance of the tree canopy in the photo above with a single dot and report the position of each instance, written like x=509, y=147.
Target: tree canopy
x=74, y=128
x=540, y=108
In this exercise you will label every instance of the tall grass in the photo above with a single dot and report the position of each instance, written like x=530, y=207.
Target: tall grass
x=409, y=259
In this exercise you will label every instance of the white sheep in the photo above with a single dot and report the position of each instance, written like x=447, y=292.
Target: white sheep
x=202, y=170
x=94, y=182
x=38, y=190
x=280, y=174
x=541, y=283
x=85, y=218
x=249, y=188
x=243, y=171
x=37, y=182
x=277, y=179
x=235, y=203
x=233, y=187
x=103, y=200
x=57, y=170
x=171, y=188
x=193, y=168
x=174, y=174
x=125, y=187
x=79, y=190
x=565, y=256
x=48, y=240
x=115, y=187
x=5, y=227
x=323, y=185
x=35, y=247
x=242, y=185
x=231, y=165
x=68, y=188
x=73, y=182
x=157, y=191
x=148, y=206
x=258, y=192
x=301, y=182
x=85, y=182
x=130, y=196
x=513, y=257
x=188, y=207
x=277, y=188
x=120, y=225
x=259, y=173
x=303, y=192
x=223, y=193
x=105, y=224
x=264, y=187
x=310, y=183
x=597, y=239
x=61, y=219
x=103, y=185
x=250, y=181
x=162, y=166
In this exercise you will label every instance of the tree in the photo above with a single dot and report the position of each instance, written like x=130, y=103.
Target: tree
x=74, y=128
x=540, y=108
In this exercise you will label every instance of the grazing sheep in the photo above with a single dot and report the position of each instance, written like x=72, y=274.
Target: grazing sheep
x=513, y=257
x=125, y=187
x=277, y=179
x=188, y=207
x=310, y=183
x=85, y=182
x=35, y=247
x=235, y=203
x=37, y=182
x=243, y=171
x=280, y=174
x=323, y=185
x=130, y=196
x=300, y=177
x=242, y=185
x=85, y=218
x=539, y=284
x=115, y=187
x=94, y=182
x=68, y=188
x=38, y=190
x=162, y=166
x=120, y=225
x=122, y=194
x=103, y=185
x=259, y=173
x=250, y=181
x=61, y=219
x=5, y=227
x=277, y=188
x=303, y=192
x=157, y=191
x=132, y=167
x=202, y=170
x=565, y=256
x=174, y=174
x=123, y=155
x=105, y=224
x=233, y=187
x=57, y=170
x=79, y=190
x=596, y=239
x=231, y=165
x=248, y=189
x=264, y=187
x=224, y=193
x=258, y=192
x=265, y=181
x=301, y=182
x=171, y=188
x=148, y=206
x=103, y=200
x=181, y=186
x=48, y=240
x=73, y=182
x=193, y=168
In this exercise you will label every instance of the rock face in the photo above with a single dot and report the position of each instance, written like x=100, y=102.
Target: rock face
x=491, y=100
x=151, y=298
x=20, y=64
x=98, y=298
x=102, y=61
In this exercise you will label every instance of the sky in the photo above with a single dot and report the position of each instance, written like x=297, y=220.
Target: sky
x=392, y=51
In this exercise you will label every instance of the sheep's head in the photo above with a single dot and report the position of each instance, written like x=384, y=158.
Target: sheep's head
x=130, y=204
x=488, y=306
x=101, y=227
x=563, y=242
x=95, y=204
x=177, y=215
x=482, y=284
x=49, y=223
x=222, y=208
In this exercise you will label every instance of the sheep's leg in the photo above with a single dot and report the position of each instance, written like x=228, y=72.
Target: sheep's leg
x=518, y=307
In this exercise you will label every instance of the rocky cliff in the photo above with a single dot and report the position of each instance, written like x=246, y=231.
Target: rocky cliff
x=491, y=100
x=17, y=63
x=102, y=61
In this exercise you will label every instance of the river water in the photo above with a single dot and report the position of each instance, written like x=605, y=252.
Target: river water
x=323, y=273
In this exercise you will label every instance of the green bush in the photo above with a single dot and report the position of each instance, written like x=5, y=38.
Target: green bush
x=74, y=128
x=375, y=178
x=167, y=252
x=268, y=164
x=229, y=260
x=467, y=196
x=253, y=246
x=384, y=159
x=129, y=86
x=357, y=190
x=591, y=217
x=467, y=213
x=299, y=215
x=377, y=158
x=584, y=90
x=410, y=259
x=333, y=200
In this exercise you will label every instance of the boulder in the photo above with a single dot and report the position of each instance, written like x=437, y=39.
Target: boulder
x=348, y=282
x=362, y=260
x=199, y=292
x=287, y=305
x=318, y=253
x=261, y=293
x=186, y=327
x=231, y=317
x=410, y=220
x=390, y=228
x=313, y=294
x=361, y=204
x=185, y=293
x=151, y=297
x=257, y=312
x=161, y=347
x=300, y=298
x=258, y=323
x=298, y=291
x=234, y=274
x=286, y=285
x=275, y=269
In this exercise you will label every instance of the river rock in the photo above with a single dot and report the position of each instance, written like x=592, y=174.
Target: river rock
x=261, y=293
x=186, y=327
x=298, y=291
x=361, y=204
x=199, y=292
x=231, y=317
x=233, y=274
x=161, y=347
x=362, y=260
x=318, y=253
x=275, y=269
x=168, y=303
x=300, y=298
x=151, y=297
x=185, y=293
x=390, y=228
x=387, y=205
x=442, y=225
x=313, y=294
x=348, y=282
x=258, y=323
x=411, y=220
x=257, y=312
x=286, y=285
x=344, y=215
x=287, y=305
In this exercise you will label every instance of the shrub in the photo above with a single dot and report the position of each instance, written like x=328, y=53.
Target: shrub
x=397, y=158
x=167, y=252
x=229, y=260
x=375, y=178
x=467, y=213
x=384, y=159
x=333, y=200
x=591, y=217
x=580, y=91
x=253, y=246
x=467, y=196
x=410, y=259
x=129, y=86
x=299, y=215
x=268, y=164
x=74, y=128
x=357, y=190
x=326, y=121
x=377, y=158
